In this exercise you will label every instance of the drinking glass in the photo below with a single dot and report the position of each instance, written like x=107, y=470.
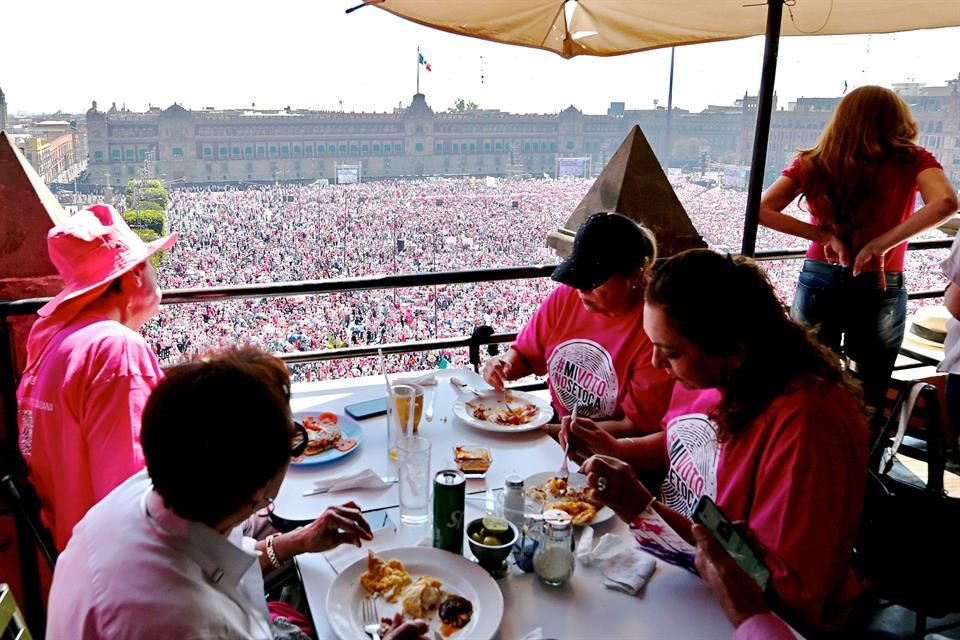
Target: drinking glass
x=401, y=421
x=413, y=470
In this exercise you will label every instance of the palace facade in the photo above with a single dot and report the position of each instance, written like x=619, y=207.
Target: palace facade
x=241, y=145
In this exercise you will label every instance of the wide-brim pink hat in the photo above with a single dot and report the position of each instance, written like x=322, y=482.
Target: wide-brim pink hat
x=91, y=249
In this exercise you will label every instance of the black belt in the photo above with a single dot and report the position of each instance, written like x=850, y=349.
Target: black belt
x=894, y=279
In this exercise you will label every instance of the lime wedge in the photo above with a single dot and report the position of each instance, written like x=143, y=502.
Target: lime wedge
x=495, y=525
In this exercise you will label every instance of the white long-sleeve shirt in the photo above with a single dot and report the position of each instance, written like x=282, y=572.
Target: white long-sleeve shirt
x=135, y=569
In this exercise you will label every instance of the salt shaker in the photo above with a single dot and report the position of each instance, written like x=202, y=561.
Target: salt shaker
x=514, y=500
x=553, y=560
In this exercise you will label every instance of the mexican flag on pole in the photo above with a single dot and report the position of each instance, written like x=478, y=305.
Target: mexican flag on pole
x=424, y=62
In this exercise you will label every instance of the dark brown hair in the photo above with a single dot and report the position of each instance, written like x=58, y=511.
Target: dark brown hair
x=726, y=306
x=216, y=430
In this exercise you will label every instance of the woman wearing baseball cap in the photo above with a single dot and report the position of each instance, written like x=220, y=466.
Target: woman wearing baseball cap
x=89, y=373
x=588, y=337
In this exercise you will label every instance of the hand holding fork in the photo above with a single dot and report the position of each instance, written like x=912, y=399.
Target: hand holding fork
x=564, y=470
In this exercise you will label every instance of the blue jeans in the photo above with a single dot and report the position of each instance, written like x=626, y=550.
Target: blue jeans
x=855, y=317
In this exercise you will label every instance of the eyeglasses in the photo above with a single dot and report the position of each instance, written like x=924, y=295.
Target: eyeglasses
x=266, y=510
x=299, y=441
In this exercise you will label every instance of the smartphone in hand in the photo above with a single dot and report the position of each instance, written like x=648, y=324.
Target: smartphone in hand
x=707, y=513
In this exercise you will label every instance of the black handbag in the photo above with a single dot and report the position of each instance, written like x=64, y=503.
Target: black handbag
x=908, y=551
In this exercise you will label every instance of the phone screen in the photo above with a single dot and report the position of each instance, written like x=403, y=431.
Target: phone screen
x=367, y=408
x=734, y=543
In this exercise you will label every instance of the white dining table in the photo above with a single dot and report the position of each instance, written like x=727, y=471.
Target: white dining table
x=513, y=452
x=674, y=604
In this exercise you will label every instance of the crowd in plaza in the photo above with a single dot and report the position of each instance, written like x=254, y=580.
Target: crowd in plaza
x=286, y=232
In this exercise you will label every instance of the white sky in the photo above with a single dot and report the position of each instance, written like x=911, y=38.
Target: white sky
x=310, y=54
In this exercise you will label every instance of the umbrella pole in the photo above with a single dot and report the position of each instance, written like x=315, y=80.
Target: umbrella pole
x=761, y=134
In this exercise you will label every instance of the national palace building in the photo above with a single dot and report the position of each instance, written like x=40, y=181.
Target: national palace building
x=239, y=145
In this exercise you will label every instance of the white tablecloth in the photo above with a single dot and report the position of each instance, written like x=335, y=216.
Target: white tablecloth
x=675, y=604
x=524, y=453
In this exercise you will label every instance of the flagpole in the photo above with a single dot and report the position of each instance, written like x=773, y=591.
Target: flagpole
x=418, y=69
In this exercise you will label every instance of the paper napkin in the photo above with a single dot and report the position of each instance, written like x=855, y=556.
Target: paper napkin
x=629, y=571
x=366, y=479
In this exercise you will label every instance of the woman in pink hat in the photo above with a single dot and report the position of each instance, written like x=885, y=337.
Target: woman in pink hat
x=89, y=373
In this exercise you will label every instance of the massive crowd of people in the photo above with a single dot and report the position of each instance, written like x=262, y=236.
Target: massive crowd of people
x=285, y=232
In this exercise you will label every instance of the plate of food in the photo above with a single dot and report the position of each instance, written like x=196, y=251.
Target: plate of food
x=569, y=495
x=455, y=596
x=512, y=411
x=329, y=437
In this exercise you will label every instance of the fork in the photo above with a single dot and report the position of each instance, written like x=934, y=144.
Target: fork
x=371, y=619
x=564, y=470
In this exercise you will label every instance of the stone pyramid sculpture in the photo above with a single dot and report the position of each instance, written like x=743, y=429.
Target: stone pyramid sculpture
x=633, y=184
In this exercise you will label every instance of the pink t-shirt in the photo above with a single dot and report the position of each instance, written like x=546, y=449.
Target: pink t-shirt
x=795, y=476
x=602, y=364
x=79, y=417
x=893, y=201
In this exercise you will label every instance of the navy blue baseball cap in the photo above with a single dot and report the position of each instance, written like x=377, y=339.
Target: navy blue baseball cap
x=606, y=244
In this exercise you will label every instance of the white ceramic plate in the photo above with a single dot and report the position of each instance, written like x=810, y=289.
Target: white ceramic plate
x=348, y=429
x=576, y=481
x=458, y=575
x=494, y=400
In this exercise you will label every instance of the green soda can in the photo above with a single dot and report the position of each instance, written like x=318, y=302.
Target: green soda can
x=449, y=493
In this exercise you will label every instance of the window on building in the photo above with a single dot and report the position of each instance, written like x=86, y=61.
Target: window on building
x=321, y=149
x=248, y=151
x=376, y=147
x=296, y=149
x=308, y=149
x=365, y=148
x=553, y=146
x=526, y=147
x=177, y=152
x=236, y=151
x=418, y=146
x=438, y=148
x=115, y=154
x=223, y=152
x=353, y=148
x=261, y=151
x=343, y=148
x=398, y=147
x=486, y=147
x=387, y=148
x=570, y=146
x=419, y=131
x=98, y=156
x=285, y=150
x=499, y=146
x=473, y=147
x=273, y=150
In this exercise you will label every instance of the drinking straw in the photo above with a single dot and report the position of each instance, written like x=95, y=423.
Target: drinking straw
x=383, y=370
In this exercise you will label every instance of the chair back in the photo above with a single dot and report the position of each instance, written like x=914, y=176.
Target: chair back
x=12, y=626
x=907, y=551
x=26, y=506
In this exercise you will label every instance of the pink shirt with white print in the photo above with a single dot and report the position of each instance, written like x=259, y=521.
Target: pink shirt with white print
x=795, y=476
x=601, y=364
